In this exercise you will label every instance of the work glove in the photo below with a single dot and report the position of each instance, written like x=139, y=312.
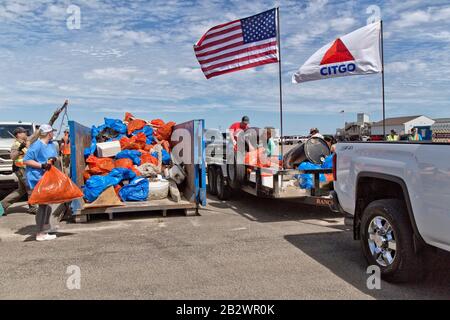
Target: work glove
x=46, y=166
x=52, y=160
x=22, y=146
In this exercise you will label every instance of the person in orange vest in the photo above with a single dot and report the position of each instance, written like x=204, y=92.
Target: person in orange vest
x=65, y=151
x=18, y=150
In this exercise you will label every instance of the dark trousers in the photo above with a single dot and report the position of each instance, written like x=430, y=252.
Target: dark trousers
x=17, y=194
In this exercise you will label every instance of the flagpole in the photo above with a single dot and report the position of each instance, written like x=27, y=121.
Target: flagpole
x=280, y=80
x=382, y=81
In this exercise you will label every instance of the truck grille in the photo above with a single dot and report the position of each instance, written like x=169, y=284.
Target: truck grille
x=5, y=156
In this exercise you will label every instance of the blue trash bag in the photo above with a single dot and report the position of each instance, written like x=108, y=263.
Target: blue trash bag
x=137, y=190
x=148, y=131
x=134, y=155
x=117, y=125
x=328, y=163
x=120, y=174
x=307, y=180
x=94, y=133
x=95, y=185
x=165, y=156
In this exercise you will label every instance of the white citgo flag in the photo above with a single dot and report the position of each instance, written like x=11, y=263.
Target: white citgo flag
x=355, y=53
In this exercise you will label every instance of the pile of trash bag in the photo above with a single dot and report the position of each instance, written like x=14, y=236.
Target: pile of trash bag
x=306, y=180
x=144, y=157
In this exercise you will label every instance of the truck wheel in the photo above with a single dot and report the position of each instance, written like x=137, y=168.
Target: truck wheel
x=387, y=241
x=223, y=189
x=236, y=173
x=211, y=187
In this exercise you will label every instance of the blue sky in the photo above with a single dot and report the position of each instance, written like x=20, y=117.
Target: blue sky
x=137, y=56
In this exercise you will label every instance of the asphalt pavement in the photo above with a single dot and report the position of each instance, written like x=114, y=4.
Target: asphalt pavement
x=246, y=248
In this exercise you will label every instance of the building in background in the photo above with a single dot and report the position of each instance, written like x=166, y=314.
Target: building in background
x=441, y=130
x=401, y=125
x=355, y=131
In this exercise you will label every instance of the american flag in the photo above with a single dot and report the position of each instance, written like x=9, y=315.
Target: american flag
x=238, y=45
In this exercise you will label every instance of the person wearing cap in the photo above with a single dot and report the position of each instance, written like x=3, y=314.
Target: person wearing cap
x=39, y=158
x=314, y=133
x=65, y=151
x=393, y=136
x=18, y=150
x=238, y=127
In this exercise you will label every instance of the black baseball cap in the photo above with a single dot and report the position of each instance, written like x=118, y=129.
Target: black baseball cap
x=245, y=119
x=19, y=130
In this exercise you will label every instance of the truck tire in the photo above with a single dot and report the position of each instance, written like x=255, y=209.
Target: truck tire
x=387, y=241
x=236, y=173
x=223, y=189
x=211, y=186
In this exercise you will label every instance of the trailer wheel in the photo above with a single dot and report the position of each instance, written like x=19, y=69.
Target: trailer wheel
x=223, y=189
x=387, y=241
x=236, y=172
x=211, y=187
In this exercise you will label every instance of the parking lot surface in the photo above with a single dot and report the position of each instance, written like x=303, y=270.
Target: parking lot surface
x=246, y=248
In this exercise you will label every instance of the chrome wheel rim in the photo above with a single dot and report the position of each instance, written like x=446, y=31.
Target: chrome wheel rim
x=382, y=241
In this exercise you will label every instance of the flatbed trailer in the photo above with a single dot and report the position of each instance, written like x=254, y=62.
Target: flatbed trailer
x=193, y=189
x=273, y=182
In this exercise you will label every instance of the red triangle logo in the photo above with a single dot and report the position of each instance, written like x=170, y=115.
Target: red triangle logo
x=338, y=52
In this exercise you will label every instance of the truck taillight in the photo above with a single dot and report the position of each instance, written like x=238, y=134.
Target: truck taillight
x=334, y=167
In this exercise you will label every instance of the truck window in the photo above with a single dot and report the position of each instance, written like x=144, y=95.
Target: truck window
x=6, y=130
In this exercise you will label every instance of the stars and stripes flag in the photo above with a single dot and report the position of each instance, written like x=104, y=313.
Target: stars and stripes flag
x=238, y=45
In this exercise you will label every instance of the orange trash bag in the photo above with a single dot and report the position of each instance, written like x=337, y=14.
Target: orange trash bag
x=257, y=158
x=54, y=187
x=136, y=124
x=165, y=131
x=124, y=163
x=99, y=166
x=134, y=143
x=148, y=158
x=128, y=117
x=157, y=123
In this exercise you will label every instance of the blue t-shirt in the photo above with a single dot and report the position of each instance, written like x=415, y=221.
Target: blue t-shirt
x=39, y=152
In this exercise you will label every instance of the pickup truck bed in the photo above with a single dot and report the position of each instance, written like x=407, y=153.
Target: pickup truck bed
x=407, y=184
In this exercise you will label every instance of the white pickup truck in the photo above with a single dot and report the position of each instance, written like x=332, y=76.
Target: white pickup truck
x=8, y=179
x=398, y=196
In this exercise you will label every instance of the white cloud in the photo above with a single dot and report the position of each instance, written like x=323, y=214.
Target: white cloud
x=35, y=84
x=418, y=17
x=409, y=19
x=342, y=24
x=111, y=73
x=130, y=37
x=193, y=74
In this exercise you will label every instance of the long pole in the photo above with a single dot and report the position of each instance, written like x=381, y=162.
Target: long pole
x=382, y=81
x=280, y=81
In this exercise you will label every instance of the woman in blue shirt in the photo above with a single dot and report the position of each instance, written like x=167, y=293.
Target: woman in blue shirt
x=38, y=159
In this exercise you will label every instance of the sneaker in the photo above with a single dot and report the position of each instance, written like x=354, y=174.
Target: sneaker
x=45, y=237
x=51, y=229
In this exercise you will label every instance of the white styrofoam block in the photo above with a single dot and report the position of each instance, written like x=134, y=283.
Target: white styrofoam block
x=108, y=149
x=267, y=181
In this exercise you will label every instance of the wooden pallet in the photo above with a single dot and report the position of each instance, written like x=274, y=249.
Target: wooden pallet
x=164, y=205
